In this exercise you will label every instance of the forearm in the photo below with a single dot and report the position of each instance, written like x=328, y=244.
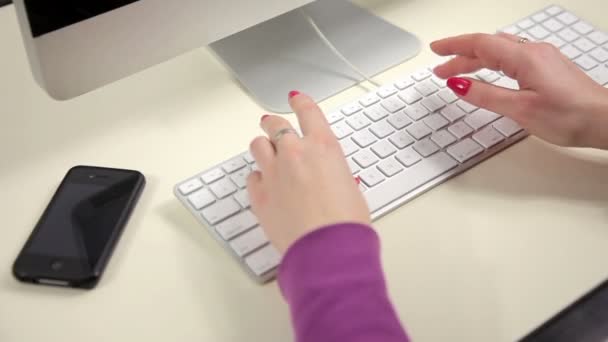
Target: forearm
x=333, y=282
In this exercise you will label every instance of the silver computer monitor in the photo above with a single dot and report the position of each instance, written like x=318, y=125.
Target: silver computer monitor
x=77, y=46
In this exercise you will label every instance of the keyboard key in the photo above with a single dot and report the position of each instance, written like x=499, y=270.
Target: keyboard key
x=480, y=118
x=393, y=104
x=399, y=120
x=447, y=95
x=416, y=111
x=190, y=186
x=539, y=32
x=408, y=157
x=586, y=62
x=600, y=54
x=443, y=138
x=582, y=27
x=351, y=109
x=488, y=137
x=387, y=91
x=242, y=197
x=376, y=113
x=234, y=164
x=540, y=17
x=419, y=130
x=467, y=107
x=263, y=260
x=236, y=224
x=421, y=75
x=358, y=121
x=567, y=18
x=568, y=35
x=453, y=113
x=410, y=96
x=598, y=37
x=220, y=210
x=488, y=76
x=348, y=146
x=584, y=45
x=333, y=117
x=440, y=83
x=212, y=176
x=240, y=177
x=354, y=167
x=599, y=75
x=460, y=130
x=555, y=41
x=249, y=158
x=371, y=177
x=525, y=24
x=507, y=82
x=201, y=199
x=409, y=180
x=223, y=188
x=401, y=139
x=365, y=158
x=465, y=150
x=425, y=147
x=382, y=129
x=369, y=99
x=553, y=10
x=507, y=127
x=433, y=103
x=364, y=138
x=404, y=84
x=426, y=88
x=390, y=167
x=553, y=25
x=511, y=30
x=249, y=241
x=341, y=129
x=570, y=51
x=383, y=149
x=436, y=122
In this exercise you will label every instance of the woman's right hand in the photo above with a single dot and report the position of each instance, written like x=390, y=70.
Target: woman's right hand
x=556, y=102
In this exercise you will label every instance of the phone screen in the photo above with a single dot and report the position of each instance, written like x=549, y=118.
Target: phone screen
x=82, y=217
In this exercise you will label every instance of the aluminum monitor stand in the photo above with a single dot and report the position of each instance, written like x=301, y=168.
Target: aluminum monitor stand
x=285, y=53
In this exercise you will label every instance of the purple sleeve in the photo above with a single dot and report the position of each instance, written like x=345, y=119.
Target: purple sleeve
x=333, y=282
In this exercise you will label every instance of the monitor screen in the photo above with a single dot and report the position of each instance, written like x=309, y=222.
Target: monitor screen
x=46, y=16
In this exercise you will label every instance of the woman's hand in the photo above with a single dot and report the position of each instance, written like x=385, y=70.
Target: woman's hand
x=556, y=102
x=303, y=183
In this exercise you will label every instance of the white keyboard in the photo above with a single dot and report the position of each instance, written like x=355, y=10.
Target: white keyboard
x=401, y=140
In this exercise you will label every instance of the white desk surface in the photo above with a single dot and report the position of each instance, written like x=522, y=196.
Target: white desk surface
x=517, y=238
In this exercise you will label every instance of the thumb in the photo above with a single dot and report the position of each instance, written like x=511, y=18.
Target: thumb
x=255, y=189
x=497, y=99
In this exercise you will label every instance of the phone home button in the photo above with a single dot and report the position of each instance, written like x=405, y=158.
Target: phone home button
x=56, y=265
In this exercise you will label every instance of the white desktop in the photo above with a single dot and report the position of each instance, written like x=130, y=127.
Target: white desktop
x=472, y=271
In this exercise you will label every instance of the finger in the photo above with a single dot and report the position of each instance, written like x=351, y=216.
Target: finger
x=457, y=66
x=263, y=152
x=272, y=125
x=496, y=99
x=254, y=188
x=311, y=118
x=495, y=52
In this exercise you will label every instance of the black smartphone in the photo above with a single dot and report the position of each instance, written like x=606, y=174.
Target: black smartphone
x=76, y=235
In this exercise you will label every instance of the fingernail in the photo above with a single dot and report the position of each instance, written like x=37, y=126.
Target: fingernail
x=459, y=85
x=293, y=93
x=264, y=117
x=358, y=180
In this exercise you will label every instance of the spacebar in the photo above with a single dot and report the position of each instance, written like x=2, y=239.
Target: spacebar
x=407, y=181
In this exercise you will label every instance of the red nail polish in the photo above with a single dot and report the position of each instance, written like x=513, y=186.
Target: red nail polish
x=293, y=93
x=358, y=180
x=264, y=117
x=459, y=85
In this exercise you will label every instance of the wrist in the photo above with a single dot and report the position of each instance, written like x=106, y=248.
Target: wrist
x=596, y=129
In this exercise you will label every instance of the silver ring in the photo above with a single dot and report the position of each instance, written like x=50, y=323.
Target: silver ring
x=523, y=40
x=283, y=132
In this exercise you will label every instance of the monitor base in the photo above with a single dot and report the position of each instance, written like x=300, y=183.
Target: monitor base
x=285, y=53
